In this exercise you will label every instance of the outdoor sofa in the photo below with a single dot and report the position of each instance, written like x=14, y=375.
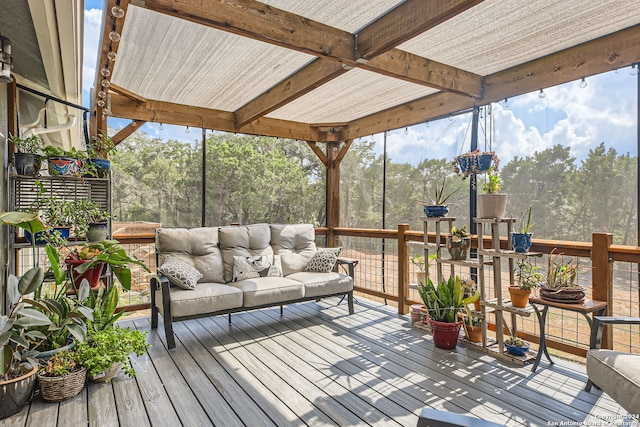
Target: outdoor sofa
x=615, y=372
x=208, y=271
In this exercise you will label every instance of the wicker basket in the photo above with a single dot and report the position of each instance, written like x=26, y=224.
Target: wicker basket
x=57, y=389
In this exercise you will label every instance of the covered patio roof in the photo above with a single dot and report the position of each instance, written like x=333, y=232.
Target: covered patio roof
x=333, y=70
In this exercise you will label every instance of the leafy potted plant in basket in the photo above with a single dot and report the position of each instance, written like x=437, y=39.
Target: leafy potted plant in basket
x=91, y=221
x=62, y=377
x=107, y=351
x=474, y=162
x=492, y=204
x=458, y=243
x=521, y=239
x=516, y=346
x=443, y=303
x=28, y=159
x=559, y=283
x=528, y=277
x=438, y=197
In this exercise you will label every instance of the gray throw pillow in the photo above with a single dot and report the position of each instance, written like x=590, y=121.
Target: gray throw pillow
x=252, y=267
x=323, y=260
x=180, y=273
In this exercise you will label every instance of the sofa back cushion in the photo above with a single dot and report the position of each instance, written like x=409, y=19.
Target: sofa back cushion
x=197, y=247
x=296, y=245
x=243, y=240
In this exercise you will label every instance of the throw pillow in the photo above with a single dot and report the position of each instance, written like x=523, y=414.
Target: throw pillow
x=252, y=267
x=323, y=260
x=180, y=273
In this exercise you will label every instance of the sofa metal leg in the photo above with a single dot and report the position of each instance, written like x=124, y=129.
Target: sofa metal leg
x=281, y=311
x=154, y=318
x=229, y=317
x=350, y=302
x=588, y=386
x=168, y=332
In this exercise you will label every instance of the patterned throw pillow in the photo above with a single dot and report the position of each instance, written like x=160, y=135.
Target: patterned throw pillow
x=180, y=273
x=252, y=267
x=323, y=260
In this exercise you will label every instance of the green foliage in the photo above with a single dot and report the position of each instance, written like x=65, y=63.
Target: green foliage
x=60, y=364
x=516, y=342
x=443, y=303
x=561, y=273
x=525, y=222
x=104, y=306
x=528, y=275
x=101, y=146
x=493, y=182
x=53, y=151
x=439, y=194
x=109, y=346
x=29, y=145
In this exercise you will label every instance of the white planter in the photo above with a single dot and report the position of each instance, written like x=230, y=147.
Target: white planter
x=492, y=205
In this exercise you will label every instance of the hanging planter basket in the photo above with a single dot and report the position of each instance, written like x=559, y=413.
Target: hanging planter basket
x=474, y=163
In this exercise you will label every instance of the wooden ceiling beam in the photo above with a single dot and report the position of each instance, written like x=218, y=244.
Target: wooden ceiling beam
x=127, y=131
x=304, y=81
x=185, y=115
x=261, y=22
x=409, y=19
x=604, y=54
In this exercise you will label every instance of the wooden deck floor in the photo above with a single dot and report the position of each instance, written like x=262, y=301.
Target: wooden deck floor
x=318, y=366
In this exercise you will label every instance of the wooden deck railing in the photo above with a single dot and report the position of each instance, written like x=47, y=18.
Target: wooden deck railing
x=601, y=253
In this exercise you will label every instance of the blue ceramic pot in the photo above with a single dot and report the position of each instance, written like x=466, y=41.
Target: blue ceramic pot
x=521, y=242
x=516, y=351
x=102, y=167
x=41, y=235
x=63, y=166
x=436, y=211
x=475, y=164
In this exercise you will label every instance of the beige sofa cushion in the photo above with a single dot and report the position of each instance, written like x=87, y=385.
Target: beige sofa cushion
x=317, y=284
x=243, y=240
x=296, y=245
x=269, y=290
x=205, y=298
x=197, y=247
x=617, y=374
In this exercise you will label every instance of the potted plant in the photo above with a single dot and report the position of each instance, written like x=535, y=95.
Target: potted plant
x=18, y=364
x=106, y=252
x=458, y=243
x=62, y=377
x=104, y=304
x=528, y=277
x=64, y=162
x=492, y=204
x=559, y=283
x=472, y=326
x=418, y=261
x=28, y=159
x=438, y=197
x=98, y=152
x=474, y=162
x=108, y=350
x=516, y=346
x=443, y=305
x=91, y=221
x=521, y=239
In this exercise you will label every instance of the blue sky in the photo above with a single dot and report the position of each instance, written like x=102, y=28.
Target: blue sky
x=581, y=118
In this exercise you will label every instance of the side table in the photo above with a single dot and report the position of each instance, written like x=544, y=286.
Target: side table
x=585, y=308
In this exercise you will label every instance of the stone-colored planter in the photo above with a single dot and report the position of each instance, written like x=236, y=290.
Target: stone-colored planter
x=492, y=205
x=458, y=249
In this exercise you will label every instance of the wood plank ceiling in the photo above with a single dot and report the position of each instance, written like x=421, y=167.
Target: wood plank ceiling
x=333, y=70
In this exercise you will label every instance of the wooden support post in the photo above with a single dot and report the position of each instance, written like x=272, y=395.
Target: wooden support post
x=403, y=269
x=602, y=277
x=333, y=191
x=12, y=114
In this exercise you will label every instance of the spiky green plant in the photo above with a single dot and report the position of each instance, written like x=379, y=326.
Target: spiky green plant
x=443, y=303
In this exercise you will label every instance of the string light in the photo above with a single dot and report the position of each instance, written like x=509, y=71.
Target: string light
x=634, y=69
x=102, y=94
x=111, y=56
x=161, y=127
x=583, y=83
x=114, y=36
x=105, y=72
x=541, y=94
x=505, y=103
x=187, y=130
x=117, y=12
x=450, y=118
x=106, y=83
x=406, y=131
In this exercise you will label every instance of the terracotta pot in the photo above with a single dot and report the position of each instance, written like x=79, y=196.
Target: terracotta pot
x=416, y=315
x=445, y=335
x=476, y=305
x=519, y=297
x=92, y=275
x=492, y=205
x=473, y=333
